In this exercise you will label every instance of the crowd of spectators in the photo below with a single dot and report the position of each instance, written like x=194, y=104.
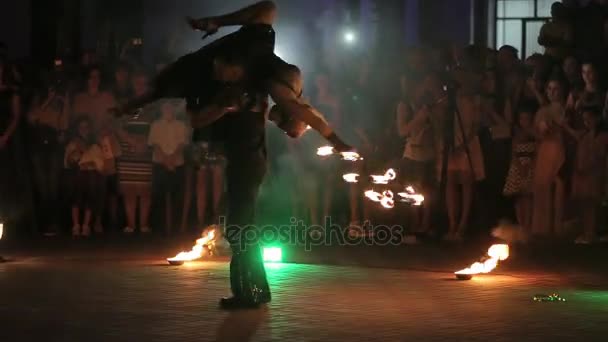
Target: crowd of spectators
x=483, y=134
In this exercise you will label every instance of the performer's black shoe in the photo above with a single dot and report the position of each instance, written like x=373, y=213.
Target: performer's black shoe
x=234, y=303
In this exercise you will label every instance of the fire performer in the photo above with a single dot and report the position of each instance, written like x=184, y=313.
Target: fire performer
x=195, y=76
x=226, y=85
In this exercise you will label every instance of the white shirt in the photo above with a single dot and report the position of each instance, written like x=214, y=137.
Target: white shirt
x=168, y=136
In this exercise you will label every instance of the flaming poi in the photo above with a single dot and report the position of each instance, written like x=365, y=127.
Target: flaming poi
x=386, y=198
x=204, y=245
x=388, y=176
x=351, y=177
x=496, y=253
x=325, y=151
x=410, y=196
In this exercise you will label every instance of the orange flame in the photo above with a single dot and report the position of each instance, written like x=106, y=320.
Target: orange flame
x=325, y=151
x=197, y=252
x=351, y=156
x=411, y=196
x=496, y=253
x=384, y=179
x=385, y=198
x=351, y=178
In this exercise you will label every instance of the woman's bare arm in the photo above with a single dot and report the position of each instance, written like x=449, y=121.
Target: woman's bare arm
x=295, y=107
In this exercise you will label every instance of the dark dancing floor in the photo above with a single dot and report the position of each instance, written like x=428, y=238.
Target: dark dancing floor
x=124, y=291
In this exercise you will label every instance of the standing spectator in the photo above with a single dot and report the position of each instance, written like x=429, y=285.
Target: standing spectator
x=537, y=71
x=418, y=164
x=548, y=188
x=168, y=138
x=509, y=78
x=572, y=71
x=589, y=171
x=557, y=36
x=94, y=102
x=121, y=89
x=84, y=161
x=465, y=160
x=48, y=121
x=210, y=170
x=495, y=139
x=135, y=162
x=521, y=172
x=591, y=95
x=10, y=113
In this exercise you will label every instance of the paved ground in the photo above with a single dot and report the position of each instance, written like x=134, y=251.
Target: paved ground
x=119, y=294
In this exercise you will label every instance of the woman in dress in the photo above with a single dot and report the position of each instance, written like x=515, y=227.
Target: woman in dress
x=548, y=184
x=588, y=178
x=521, y=172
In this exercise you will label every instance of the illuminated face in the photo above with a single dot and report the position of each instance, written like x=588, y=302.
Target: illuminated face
x=589, y=74
x=94, y=80
x=554, y=91
x=525, y=119
x=84, y=129
x=121, y=76
x=571, y=67
x=140, y=84
x=168, y=112
x=589, y=119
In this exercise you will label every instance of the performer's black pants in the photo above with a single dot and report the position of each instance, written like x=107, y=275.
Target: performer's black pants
x=247, y=274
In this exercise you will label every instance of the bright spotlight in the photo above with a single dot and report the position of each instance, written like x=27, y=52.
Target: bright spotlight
x=350, y=37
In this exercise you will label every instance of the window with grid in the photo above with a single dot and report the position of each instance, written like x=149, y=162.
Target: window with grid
x=518, y=24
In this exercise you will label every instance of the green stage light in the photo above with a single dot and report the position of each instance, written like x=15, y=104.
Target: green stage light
x=273, y=254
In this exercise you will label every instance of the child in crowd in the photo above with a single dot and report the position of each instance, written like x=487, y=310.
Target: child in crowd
x=521, y=172
x=589, y=170
x=168, y=138
x=84, y=160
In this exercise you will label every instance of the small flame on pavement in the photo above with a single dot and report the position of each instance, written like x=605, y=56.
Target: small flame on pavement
x=496, y=253
x=388, y=176
x=351, y=178
x=197, y=252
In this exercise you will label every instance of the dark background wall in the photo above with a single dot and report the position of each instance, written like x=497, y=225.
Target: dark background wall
x=15, y=26
x=62, y=26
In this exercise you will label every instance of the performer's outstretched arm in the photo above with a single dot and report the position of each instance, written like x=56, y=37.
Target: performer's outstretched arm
x=263, y=12
x=292, y=105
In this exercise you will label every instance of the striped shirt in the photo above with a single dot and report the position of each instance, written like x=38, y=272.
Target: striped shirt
x=135, y=162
